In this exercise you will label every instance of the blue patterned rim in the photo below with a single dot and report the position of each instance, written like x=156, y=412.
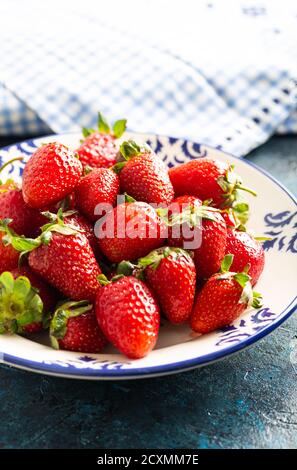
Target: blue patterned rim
x=71, y=371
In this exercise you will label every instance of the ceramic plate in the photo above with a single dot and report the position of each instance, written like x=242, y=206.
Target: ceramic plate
x=273, y=213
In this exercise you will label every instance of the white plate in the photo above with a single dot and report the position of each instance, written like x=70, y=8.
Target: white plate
x=273, y=212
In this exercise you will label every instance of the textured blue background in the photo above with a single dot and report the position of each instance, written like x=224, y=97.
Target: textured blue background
x=248, y=400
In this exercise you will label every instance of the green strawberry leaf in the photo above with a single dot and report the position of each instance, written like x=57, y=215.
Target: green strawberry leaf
x=242, y=279
x=130, y=149
x=102, y=279
x=257, y=300
x=119, y=128
x=117, y=167
x=103, y=125
x=87, y=131
x=226, y=263
x=125, y=268
x=58, y=324
x=155, y=257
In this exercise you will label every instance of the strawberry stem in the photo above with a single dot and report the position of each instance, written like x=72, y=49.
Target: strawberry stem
x=10, y=162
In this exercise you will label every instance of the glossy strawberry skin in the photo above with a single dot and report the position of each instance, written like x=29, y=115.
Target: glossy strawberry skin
x=246, y=250
x=217, y=304
x=68, y=263
x=83, y=334
x=25, y=220
x=129, y=316
x=122, y=244
x=177, y=206
x=145, y=178
x=101, y=186
x=9, y=257
x=47, y=294
x=50, y=175
x=209, y=255
x=199, y=178
x=98, y=150
x=173, y=283
x=79, y=222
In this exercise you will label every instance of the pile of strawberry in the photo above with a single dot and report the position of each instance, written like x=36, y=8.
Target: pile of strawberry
x=88, y=289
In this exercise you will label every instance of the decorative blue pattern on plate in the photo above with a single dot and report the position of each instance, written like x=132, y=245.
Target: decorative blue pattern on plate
x=273, y=214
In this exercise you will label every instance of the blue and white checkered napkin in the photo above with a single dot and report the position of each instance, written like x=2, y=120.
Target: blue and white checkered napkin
x=223, y=73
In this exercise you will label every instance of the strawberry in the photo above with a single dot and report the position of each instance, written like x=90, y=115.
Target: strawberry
x=100, y=186
x=130, y=231
x=21, y=307
x=25, y=220
x=63, y=257
x=206, y=235
x=222, y=299
x=51, y=174
x=74, y=328
x=207, y=179
x=185, y=231
x=78, y=222
x=171, y=274
x=9, y=257
x=143, y=175
x=128, y=315
x=98, y=149
x=246, y=250
x=47, y=294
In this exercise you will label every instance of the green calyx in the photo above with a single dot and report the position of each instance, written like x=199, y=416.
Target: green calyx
x=154, y=258
x=192, y=215
x=25, y=245
x=20, y=304
x=117, y=130
x=103, y=281
x=248, y=296
x=230, y=183
x=130, y=149
x=58, y=324
x=126, y=268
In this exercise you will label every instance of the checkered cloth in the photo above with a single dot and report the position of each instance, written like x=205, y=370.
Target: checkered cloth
x=222, y=73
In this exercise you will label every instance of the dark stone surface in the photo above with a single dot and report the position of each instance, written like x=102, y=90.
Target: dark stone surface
x=246, y=401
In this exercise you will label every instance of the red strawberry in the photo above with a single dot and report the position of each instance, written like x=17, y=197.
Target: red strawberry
x=74, y=328
x=207, y=179
x=9, y=257
x=143, y=175
x=206, y=236
x=51, y=174
x=246, y=251
x=99, y=149
x=80, y=223
x=222, y=299
x=130, y=231
x=171, y=274
x=128, y=315
x=63, y=257
x=101, y=186
x=178, y=236
x=25, y=220
x=21, y=307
